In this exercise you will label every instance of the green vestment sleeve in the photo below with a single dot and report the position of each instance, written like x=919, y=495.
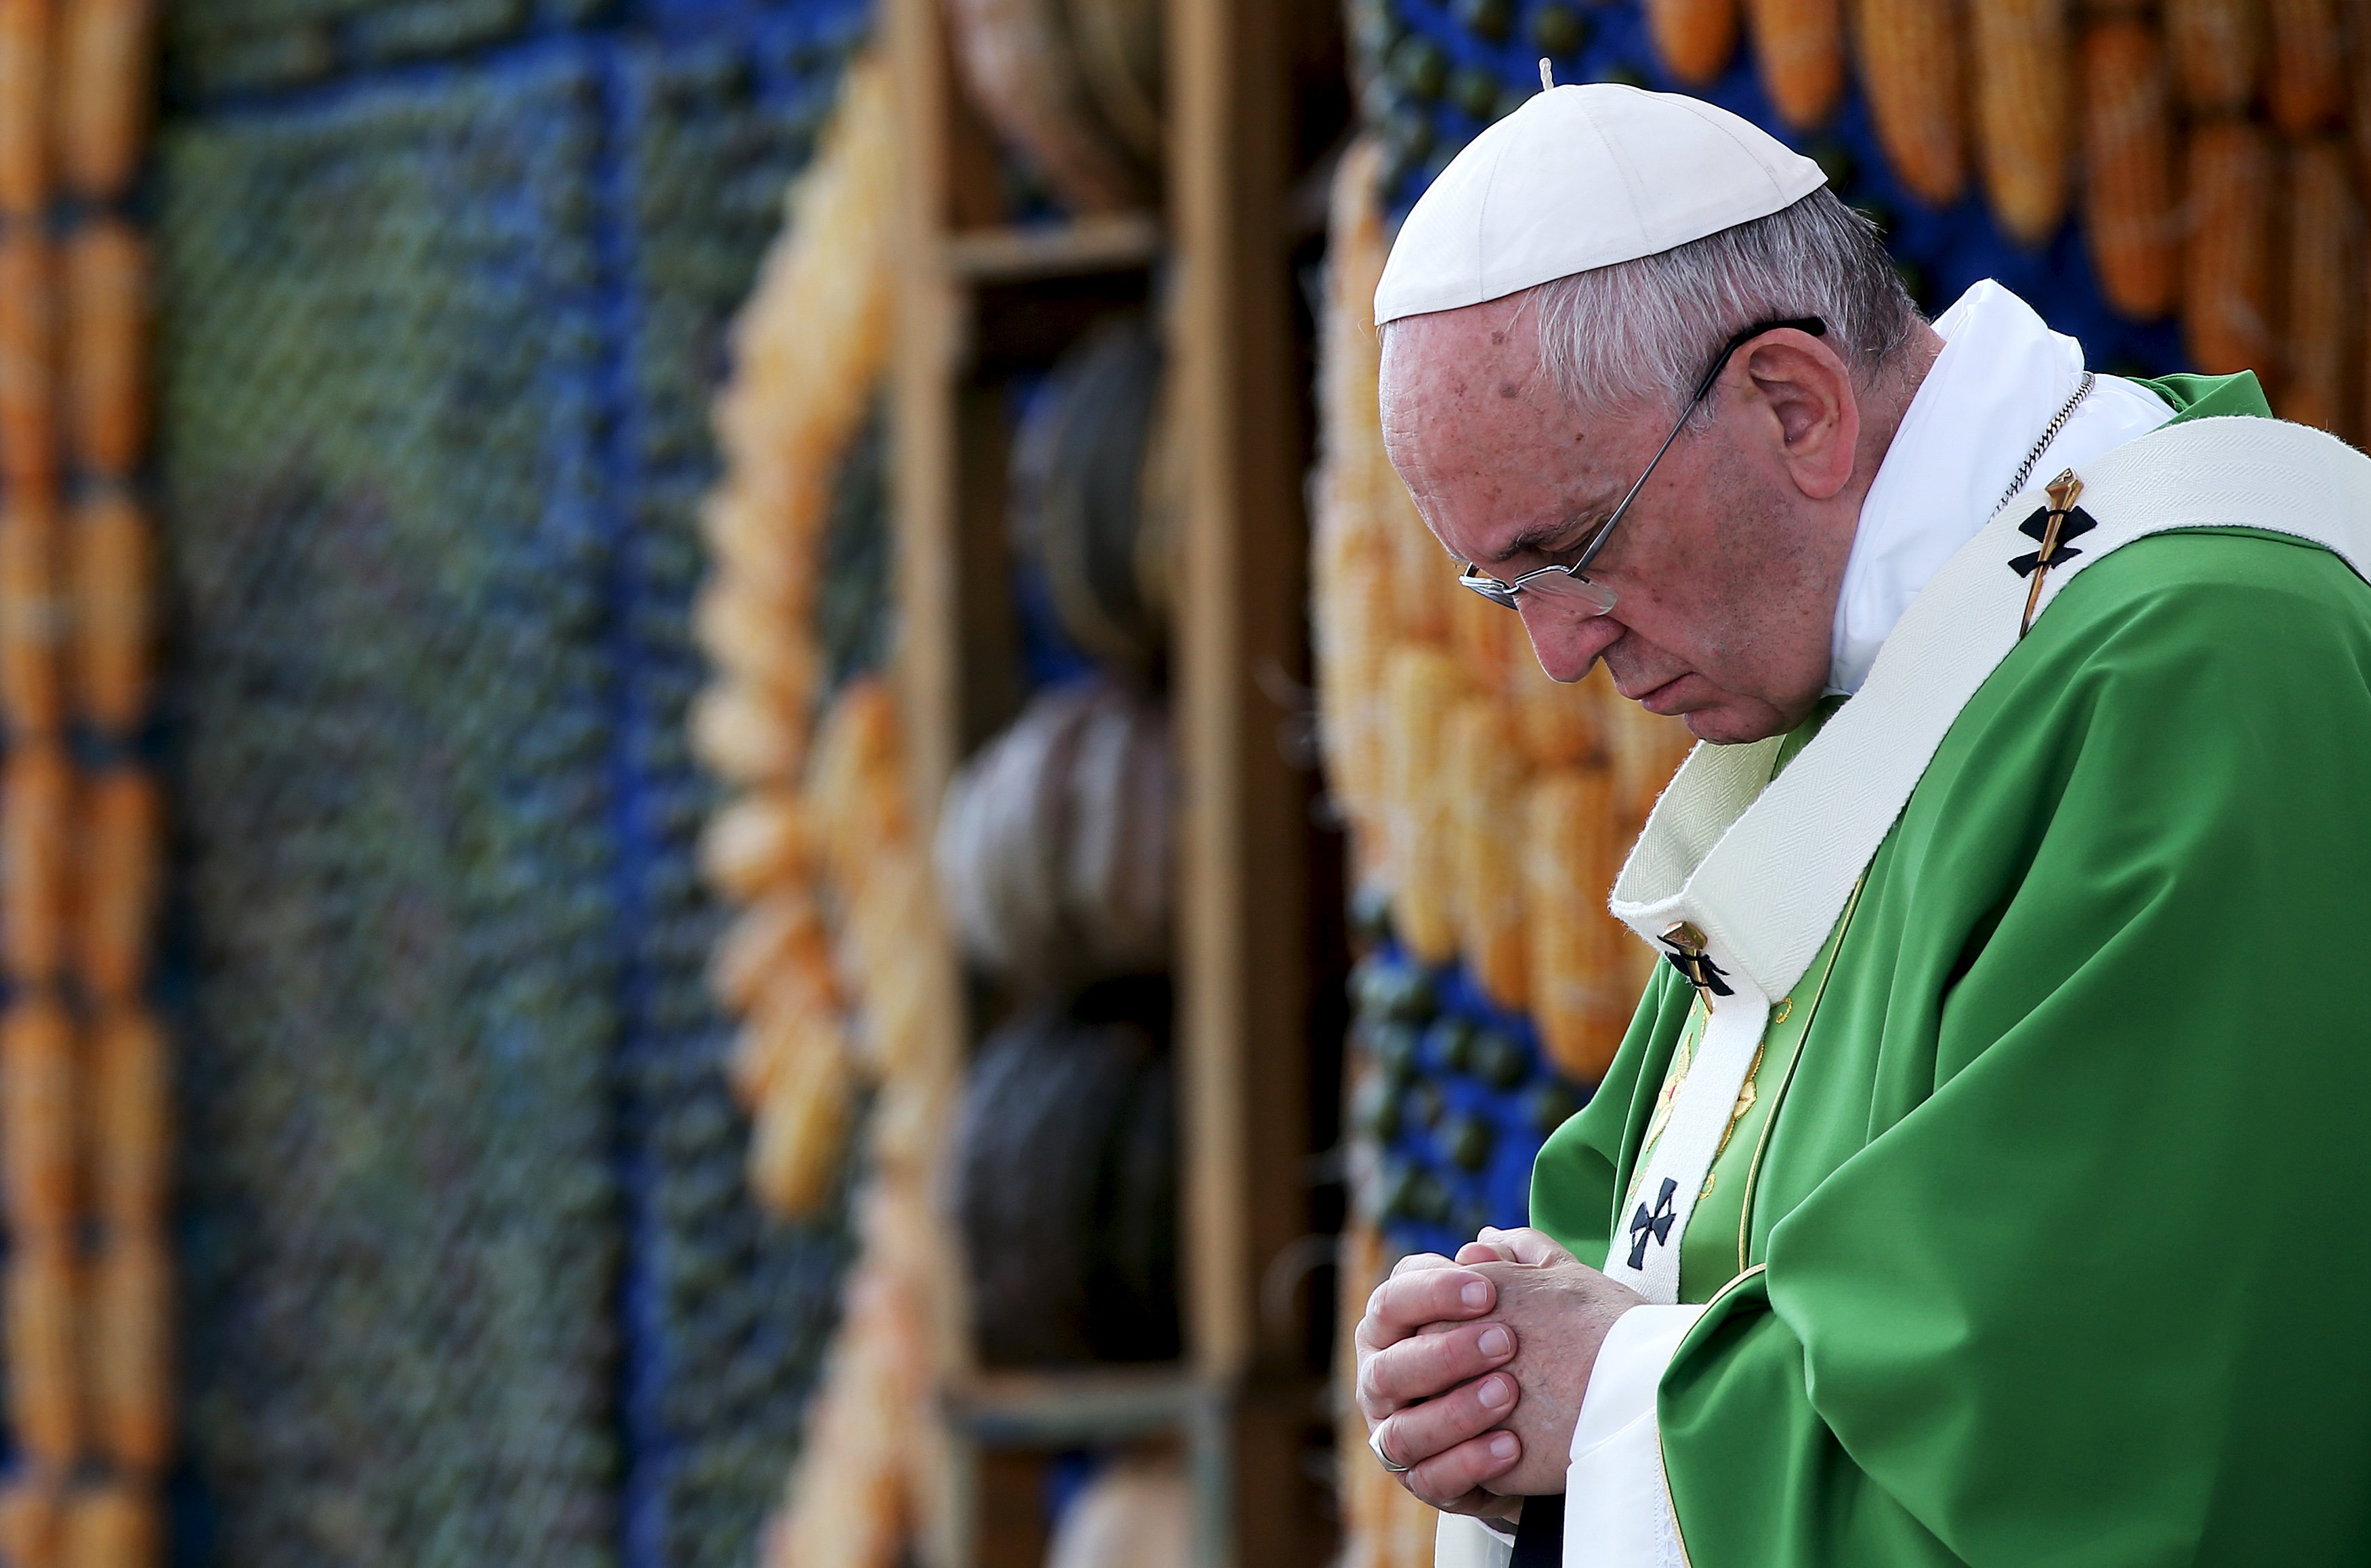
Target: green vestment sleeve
x=2060, y=1222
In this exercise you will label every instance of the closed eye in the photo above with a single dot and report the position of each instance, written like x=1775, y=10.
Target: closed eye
x=1556, y=542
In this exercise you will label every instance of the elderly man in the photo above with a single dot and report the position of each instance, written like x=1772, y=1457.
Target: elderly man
x=1967, y=1188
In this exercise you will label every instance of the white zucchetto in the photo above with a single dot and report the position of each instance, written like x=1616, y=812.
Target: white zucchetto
x=1583, y=176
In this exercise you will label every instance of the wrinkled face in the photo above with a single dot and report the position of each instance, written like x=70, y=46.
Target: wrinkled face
x=1727, y=566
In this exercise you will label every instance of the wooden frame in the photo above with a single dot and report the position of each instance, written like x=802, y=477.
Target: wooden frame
x=1241, y=1401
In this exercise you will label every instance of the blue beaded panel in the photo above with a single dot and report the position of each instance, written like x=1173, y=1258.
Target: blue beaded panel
x=1454, y=1100
x=472, y=1276
x=1436, y=72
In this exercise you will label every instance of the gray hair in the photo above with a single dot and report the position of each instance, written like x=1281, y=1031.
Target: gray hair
x=1643, y=332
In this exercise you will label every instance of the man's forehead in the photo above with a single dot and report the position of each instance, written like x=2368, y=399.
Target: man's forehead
x=1501, y=335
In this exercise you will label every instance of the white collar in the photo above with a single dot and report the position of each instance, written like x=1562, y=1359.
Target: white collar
x=2002, y=376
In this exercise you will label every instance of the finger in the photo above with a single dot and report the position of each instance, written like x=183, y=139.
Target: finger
x=1529, y=1246
x=1416, y=1261
x=1429, y=1365
x=1419, y=1432
x=1403, y=1305
x=1446, y=1479
x=1482, y=1250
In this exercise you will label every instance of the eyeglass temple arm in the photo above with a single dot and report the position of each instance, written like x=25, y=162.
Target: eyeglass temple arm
x=1809, y=324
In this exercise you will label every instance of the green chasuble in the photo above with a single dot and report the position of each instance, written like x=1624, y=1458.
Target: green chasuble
x=2044, y=1213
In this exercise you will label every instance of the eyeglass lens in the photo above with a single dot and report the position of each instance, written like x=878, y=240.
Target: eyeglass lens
x=1568, y=593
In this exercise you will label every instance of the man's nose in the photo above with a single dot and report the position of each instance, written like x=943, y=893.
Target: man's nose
x=1567, y=644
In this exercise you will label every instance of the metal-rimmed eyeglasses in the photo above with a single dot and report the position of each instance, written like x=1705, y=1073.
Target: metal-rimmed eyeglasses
x=1566, y=585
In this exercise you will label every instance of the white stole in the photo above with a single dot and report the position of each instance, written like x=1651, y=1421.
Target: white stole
x=1763, y=867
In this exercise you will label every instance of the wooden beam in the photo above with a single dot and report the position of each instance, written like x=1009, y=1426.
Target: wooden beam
x=1099, y=244
x=1243, y=983
x=940, y=181
x=923, y=424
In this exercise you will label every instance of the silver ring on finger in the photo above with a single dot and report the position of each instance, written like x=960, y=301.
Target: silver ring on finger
x=1375, y=1443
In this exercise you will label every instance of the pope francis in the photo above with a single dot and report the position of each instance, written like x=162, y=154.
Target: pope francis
x=1968, y=1187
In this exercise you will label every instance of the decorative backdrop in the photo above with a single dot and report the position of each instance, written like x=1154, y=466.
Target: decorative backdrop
x=473, y=1275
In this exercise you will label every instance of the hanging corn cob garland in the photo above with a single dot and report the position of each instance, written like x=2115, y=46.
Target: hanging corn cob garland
x=83, y=1069
x=822, y=850
x=2222, y=149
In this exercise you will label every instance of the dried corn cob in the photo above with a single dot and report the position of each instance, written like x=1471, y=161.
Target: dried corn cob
x=111, y=621
x=2354, y=36
x=1645, y=750
x=31, y=1520
x=1568, y=835
x=25, y=82
x=29, y=456
x=2023, y=134
x=129, y=1102
x=44, y=1399
x=758, y=638
x=798, y=1011
x=1557, y=724
x=1353, y=563
x=111, y=1525
x=855, y=789
x=2227, y=267
x=122, y=840
x=1799, y=45
x=31, y=697
x=1909, y=54
x=1484, y=780
x=1425, y=578
x=1694, y=38
x=37, y=1118
x=131, y=1319
x=802, y=1127
x=2324, y=277
x=2129, y=211
x=1361, y=1480
x=1422, y=685
x=2217, y=50
x=780, y=927
x=756, y=843
x=105, y=47
x=1413, y=1526
x=743, y=735
x=2304, y=85
x=107, y=345
x=1353, y=637
x=1489, y=642
x=35, y=826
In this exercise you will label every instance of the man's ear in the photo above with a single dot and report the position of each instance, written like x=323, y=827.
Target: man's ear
x=1808, y=390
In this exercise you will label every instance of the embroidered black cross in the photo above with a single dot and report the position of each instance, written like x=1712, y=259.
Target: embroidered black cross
x=1688, y=956
x=2050, y=528
x=2074, y=525
x=1657, y=1224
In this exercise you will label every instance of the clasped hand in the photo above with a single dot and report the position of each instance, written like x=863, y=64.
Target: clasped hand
x=1472, y=1370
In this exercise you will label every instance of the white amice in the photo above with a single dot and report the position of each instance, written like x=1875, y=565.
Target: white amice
x=2002, y=376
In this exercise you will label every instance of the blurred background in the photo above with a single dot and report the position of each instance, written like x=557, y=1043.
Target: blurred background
x=740, y=824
